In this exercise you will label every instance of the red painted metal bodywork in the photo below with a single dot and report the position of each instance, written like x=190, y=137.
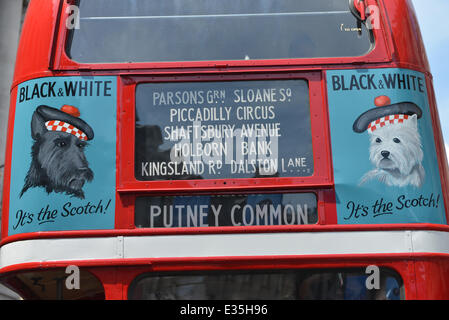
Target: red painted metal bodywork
x=41, y=53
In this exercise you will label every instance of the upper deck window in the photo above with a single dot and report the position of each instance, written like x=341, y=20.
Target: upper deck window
x=115, y=31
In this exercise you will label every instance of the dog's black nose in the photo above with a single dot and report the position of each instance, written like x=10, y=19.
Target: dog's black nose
x=385, y=154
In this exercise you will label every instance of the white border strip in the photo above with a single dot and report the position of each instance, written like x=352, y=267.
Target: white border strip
x=224, y=245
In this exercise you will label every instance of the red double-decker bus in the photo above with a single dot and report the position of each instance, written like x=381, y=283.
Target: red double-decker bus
x=257, y=149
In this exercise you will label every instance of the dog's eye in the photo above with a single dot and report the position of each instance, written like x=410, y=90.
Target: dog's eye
x=61, y=144
x=378, y=140
x=81, y=145
x=396, y=140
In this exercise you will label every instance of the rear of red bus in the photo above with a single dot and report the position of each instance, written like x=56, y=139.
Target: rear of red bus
x=221, y=150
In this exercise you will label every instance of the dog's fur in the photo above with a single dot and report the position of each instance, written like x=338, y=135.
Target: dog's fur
x=58, y=162
x=396, y=152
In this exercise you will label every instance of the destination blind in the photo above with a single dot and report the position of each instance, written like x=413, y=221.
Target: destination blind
x=216, y=130
x=226, y=210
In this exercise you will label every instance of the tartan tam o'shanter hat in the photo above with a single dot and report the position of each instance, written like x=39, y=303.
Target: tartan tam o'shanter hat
x=65, y=120
x=385, y=114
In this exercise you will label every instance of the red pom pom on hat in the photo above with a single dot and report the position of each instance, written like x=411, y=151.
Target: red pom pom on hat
x=382, y=101
x=73, y=111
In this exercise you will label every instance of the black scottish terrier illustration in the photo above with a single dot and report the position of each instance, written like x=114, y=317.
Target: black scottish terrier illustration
x=58, y=161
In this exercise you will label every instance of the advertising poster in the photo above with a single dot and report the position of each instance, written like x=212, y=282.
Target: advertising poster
x=383, y=149
x=64, y=155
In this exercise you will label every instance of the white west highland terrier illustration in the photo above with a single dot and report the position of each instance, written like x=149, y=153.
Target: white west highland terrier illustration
x=396, y=152
x=396, y=148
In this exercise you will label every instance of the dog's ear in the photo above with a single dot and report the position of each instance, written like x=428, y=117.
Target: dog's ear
x=32, y=179
x=413, y=121
x=37, y=126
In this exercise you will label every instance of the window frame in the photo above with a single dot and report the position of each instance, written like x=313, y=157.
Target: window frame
x=321, y=178
x=382, y=52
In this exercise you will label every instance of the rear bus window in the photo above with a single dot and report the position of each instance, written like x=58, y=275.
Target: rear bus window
x=114, y=31
x=344, y=284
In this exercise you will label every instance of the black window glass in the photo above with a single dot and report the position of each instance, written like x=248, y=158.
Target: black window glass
x=201, y=30
x=51, y=285
x=346, y=284
x=226, y=210
x=218, y=130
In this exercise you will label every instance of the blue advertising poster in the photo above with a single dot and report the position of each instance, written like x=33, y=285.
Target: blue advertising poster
x=64, y=155
x=383, y=148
